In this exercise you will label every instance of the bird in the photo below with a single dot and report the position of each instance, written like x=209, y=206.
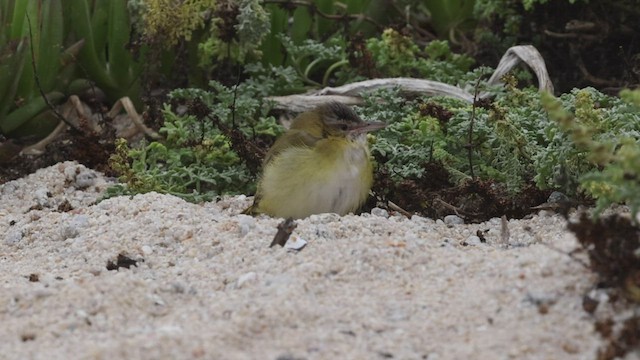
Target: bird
x=322, y=164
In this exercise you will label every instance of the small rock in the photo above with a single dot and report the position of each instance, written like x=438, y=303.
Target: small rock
x=245, y=224
x=69, y=232
x=557, y=197
x=295, y=243
x=84, y=179
x=8, y=188
x=80, y=220
x=472, y=240
x=545, y=213
x=72, y=229
x=41, y=196
x=13, y=237
x=70, y=172
x=376, y=211
x=323, y=218
x=589, y=304
x=446, y=243
x=246, y=278
x=453, y=220
x=146, y=249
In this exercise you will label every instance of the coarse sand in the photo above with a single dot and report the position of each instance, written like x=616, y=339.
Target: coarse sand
x=206, y=285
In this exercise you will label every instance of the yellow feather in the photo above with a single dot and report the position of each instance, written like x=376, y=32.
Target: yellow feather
x=317, y=168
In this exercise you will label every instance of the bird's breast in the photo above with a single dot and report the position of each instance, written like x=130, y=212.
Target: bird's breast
x=334, y=176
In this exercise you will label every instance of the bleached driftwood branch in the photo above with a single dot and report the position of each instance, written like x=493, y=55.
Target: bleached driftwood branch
x=351, y=94
x=529, y=55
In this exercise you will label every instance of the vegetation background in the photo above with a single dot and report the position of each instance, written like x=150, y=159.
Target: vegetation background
x=205, y=76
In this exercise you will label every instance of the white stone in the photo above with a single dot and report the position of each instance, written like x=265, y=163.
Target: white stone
x=453, y=220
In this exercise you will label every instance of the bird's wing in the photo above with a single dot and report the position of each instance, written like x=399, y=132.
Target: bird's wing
x=293, y=138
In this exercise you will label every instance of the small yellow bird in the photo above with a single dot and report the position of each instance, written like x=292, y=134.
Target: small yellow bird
x=321, y=165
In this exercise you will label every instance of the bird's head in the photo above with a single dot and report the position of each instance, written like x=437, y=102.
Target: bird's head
x=335, y=119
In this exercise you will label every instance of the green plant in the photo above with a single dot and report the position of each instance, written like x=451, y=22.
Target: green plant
x=238, y=30
x=605, y=142
x=505, y=136
x=449, y=16
x=74, y=44
x=307, y=56
x=199, y=157
x=104, y=27
x=313, y=20
x=28, y=25
x=397, y=55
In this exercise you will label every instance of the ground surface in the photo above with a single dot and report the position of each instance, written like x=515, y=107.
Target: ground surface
x=207, y=285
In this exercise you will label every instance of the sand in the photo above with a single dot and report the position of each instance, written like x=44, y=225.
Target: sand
x=206, y=285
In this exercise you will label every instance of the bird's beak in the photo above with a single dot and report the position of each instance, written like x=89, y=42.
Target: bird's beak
x=367, y=126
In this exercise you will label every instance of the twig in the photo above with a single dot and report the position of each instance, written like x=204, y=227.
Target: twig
x=285, y=229
x=455, y=209
x=37, y=78
x=395, y=207
x=130, y=109
x=469, y=145
x=504, y=230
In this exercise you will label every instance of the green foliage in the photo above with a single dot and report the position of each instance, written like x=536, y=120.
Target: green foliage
x=170, y=21
x=604, y=151
x=509, y=15
x=270, y=80
x=529, y=4
x=584, y=141
x=308, y=56
x=61, y=34
x=27, y=25
x=397, y=55
x=504, y=138
x=197, y=161
x=449, y=15
x=407, y=141
x=253, y=23
x=235, y=39
x=310, y=20
x=104, y=27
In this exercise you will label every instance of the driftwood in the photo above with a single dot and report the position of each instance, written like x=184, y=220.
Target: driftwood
x=351, y=94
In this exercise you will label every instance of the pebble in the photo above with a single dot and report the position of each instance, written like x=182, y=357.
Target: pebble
x=72, y=229
x=295, y=243
x=69, y=232
x=323, y=218
x=9, y=188
x=246, y=278
x=453, y=220
x=84, y=179
x=41, y=197
x=246, y=223
x=376, y=211
x=421, y=220
x=13, y=237
x=473, y=240
x=557, y=197
x=545, y=213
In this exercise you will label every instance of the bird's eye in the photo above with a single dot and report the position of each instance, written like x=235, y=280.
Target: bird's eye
x=343, y=127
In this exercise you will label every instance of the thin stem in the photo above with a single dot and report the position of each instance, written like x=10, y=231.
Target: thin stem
x=37, y=78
